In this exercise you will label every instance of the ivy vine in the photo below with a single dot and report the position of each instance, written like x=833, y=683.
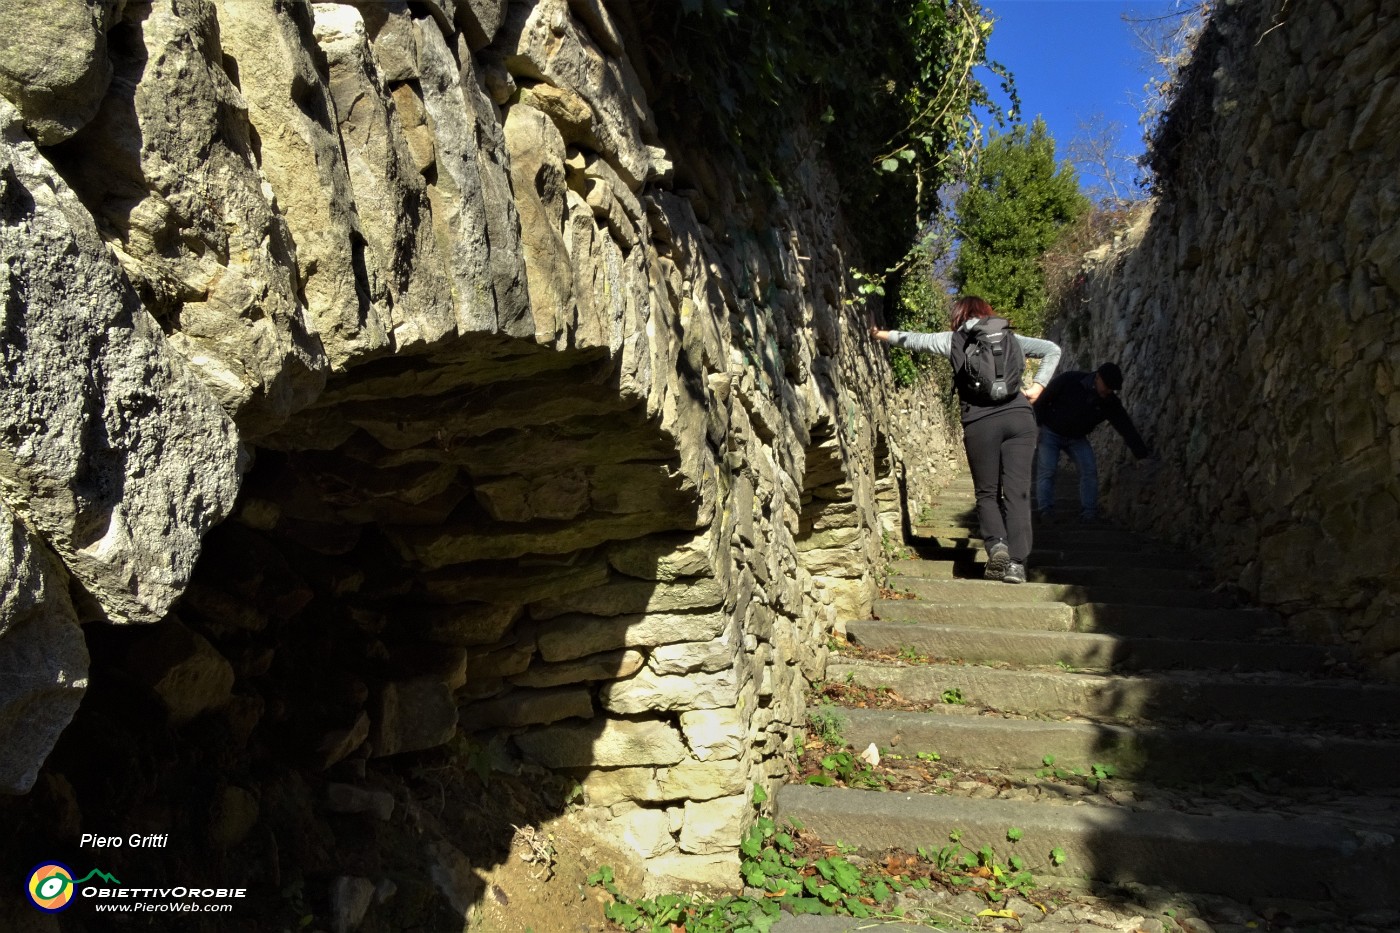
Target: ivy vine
x=888, y=89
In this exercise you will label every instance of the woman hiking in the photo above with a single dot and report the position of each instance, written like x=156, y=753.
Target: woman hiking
x=999, y=428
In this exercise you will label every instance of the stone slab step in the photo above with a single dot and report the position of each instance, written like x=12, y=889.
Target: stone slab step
x=1244, y=856
x=1182, y=756
x=985, y=643
x=1102, y=557
x=1089, y=536
x=1163, y=696
x=903, y=613
x=909, y=576
x=1138, y=577
x=1129, y=621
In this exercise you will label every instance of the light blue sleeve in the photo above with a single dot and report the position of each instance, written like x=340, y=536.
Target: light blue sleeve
x=1046, y=351
x=940, y=343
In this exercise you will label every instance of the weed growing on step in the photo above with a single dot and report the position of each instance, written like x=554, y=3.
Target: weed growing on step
x=788, y=870
x=847, y=769
x=954, y=696
x=911, y=654
x=1094, y=776
x=828, y=725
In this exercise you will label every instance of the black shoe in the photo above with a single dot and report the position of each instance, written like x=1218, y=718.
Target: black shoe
x=1015, y=572
x=1045, y=517
x=998, y=558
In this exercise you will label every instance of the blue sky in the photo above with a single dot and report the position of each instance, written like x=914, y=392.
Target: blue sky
x=1072, y=59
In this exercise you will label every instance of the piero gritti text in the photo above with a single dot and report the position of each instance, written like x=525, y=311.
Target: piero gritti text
x=134, y=841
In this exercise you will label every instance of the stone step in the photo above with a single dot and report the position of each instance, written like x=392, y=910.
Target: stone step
x=1242, y=856
x=1055, y=537
x=1166, y=756
x=1163, y=696
x=906, y=578
x=1103, y=557
x=1110, y=619
x=909, y=614
x=1086, y=651
x=1137, y=577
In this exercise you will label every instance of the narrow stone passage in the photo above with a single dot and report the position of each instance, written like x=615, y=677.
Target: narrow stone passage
x=1131, y=734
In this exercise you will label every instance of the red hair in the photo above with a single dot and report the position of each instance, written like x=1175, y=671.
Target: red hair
x=965, y=309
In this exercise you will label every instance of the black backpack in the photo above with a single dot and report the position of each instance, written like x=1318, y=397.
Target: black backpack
x=987, y=361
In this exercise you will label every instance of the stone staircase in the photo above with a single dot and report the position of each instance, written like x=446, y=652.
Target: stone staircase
x=1117, y=711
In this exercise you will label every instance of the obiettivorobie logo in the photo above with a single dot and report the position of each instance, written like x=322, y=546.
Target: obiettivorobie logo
x=51, y=886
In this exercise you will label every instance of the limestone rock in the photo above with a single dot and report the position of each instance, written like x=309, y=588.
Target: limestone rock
x=187, y=674
x=53, y=62
x=648, y=691
x=665, y=558
x=480, y=19
x=350, y=901
x=406, y=274
x=544, y=42
x=702, y=780
x=683, y=872
x=302, y=160
x=713, y=826
x=530, y=708
x=609, y=665
x=714, y=733
x=537, y=172
x=336, y=746
x=604, y=743
x=413, y=715
x=634, y=596
x=43, y=656
x=574, y=636
x=122, y=460
x=218, y=272
x=474, y=214
x=646, y=831
x=235, y=814
x=347, y=798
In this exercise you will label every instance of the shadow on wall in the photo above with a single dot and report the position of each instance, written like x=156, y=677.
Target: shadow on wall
x=329, y=715
x=434, y=624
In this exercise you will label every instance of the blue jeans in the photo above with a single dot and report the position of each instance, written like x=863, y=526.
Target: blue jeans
x=1047, y=463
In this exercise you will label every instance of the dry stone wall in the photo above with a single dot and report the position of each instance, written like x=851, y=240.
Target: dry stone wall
x=388, y=359
x=1254, y=310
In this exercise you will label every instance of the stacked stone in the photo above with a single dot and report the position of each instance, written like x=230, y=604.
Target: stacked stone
x=1253, y=314
x=542, y=429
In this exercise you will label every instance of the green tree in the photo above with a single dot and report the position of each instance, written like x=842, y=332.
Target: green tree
x=1018, y=204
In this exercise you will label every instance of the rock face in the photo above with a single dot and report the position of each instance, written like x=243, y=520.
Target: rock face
x=545, y=433
x=1253, y=313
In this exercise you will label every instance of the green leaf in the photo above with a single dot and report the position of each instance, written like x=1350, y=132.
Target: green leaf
x=889, y=165
x=759, y=794
x=1014, y=835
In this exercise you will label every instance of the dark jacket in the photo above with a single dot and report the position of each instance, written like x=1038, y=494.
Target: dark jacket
x=1070, y=406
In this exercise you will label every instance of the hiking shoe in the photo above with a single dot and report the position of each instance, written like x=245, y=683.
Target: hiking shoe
x=998, y=558
x=1015, y=572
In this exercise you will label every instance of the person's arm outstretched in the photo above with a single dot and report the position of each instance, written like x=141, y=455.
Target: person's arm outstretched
x=1118, y=417
x=940, y=343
